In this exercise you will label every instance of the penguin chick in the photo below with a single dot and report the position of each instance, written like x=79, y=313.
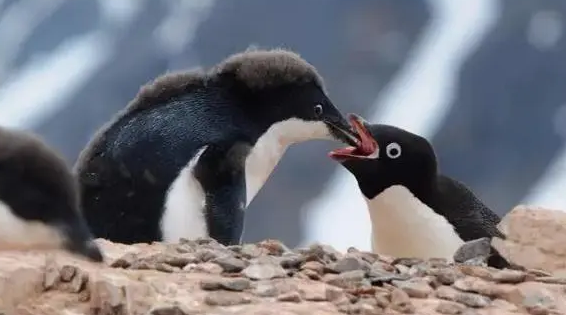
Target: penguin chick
x=189, y=153
x=415, y=211
x=39, y=206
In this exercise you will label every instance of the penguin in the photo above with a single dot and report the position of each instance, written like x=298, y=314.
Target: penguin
x=39, y=205
x=189, y=153
x=415, y=211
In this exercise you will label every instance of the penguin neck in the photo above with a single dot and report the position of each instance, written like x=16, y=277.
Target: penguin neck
x=405, y=226
x=272, y=144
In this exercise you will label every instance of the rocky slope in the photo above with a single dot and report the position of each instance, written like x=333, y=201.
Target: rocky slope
x=204, y=277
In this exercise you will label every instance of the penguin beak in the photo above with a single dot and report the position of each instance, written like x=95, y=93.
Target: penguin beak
x=365, y=148
x=342, y=131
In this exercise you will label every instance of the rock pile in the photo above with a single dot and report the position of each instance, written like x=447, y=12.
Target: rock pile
x=204, y=277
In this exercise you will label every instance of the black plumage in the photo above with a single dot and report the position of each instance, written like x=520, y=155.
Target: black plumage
x=409, y=160
x=128, y=166
x=39, y=198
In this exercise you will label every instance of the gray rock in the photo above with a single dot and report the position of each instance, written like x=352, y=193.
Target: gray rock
x=226, y=298
x=230, y=263
x=210, y=285
x=416, y=288
x=265, y=289
x=450, y=308
x=475, y=249
x=408, y=262
x=349, y=263
x=292, y=296
x=291, y=260
x=264, y=271
x=236, y=284
x=401, y=302
x=509, y=276
x=348, y=279
x=167, y=310
x=446, y=276
x=250, y=251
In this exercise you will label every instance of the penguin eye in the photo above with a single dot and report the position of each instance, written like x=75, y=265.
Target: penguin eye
x=318, y=110
x=393, y=150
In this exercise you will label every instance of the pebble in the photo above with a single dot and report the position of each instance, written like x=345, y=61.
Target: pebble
x=263, y=271
x=292, y=296
x=167, y=310
x=346, y=279
x=236, y=284
x=552, y=280
x=401, y=302
x=207, y=267
x=67, y=273
x=315, y=266
x=509, y=276
x=273, y=247
x=446, y=276
x=230, y=263
x=416, y=288
x=407, y=262
x=349, y=264
x=265, y=289
x=474, y=249
x=226, y=298
x=450, y=308
x=125, y=261
x=251, y=251
x=469, y=299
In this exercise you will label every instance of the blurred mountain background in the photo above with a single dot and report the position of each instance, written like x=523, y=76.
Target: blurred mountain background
x=482, y=79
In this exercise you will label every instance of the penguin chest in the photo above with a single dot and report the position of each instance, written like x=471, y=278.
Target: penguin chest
x=183, y=215
x=403, y=226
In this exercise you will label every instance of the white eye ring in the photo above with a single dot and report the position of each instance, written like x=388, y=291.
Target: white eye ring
x=318, y=110
x=393, y=150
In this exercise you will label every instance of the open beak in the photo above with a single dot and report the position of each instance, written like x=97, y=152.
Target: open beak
x=365, y=148
x=343, y=132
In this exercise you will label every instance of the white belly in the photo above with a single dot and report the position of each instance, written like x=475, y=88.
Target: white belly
x=183, y=215
x=185, y=203
x=402, y=226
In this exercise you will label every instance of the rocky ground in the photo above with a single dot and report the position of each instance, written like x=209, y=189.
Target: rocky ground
x=204, y=277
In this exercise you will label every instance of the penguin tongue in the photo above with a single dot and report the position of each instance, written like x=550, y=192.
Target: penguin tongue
x=366, y=146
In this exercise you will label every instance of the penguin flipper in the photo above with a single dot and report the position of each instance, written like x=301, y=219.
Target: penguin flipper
x=221, y=172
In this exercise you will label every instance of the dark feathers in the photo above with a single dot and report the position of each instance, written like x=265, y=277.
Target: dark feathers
x=254, y=69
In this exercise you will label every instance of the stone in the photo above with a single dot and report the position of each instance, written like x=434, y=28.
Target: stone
x=415, y=288
x=468, y=299
x=273, y=247
x=265, y=290
x=509, y=276
x=230, y=263
x=535, y=238
x=349, y=263
x=446, y=276
x=346, y=279
x=236, y=284
x=474, y=249
x=293, y=296
x=451, y=308
x=315, y=266
x=401, y=302
x=207, y=267
x=259, y=271
x=226, y=298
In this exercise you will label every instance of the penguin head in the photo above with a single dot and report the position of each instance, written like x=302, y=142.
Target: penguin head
x=385, y=156
x=284, y=94
x=39, y=206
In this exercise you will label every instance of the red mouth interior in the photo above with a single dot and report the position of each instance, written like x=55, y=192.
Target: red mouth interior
x=366, y=146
